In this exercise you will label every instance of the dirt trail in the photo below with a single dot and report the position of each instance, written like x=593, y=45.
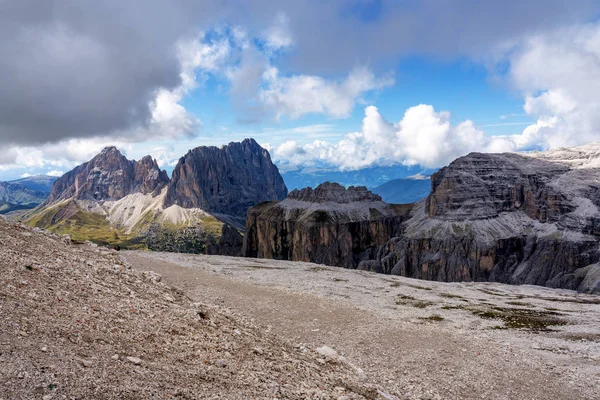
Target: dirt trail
x=421, y=359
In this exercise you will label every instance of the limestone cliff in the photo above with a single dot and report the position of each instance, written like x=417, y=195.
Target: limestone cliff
x=512, y=218
x=329, y=225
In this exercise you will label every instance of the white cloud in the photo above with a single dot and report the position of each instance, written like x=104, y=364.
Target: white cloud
x=55, y=173
x=559, y=74
x=298, y=95
x=278, y=36
x=26, y=175
x=423, y=136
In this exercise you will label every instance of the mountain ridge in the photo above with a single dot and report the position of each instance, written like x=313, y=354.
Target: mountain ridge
x=510, y=218
x=111, y=199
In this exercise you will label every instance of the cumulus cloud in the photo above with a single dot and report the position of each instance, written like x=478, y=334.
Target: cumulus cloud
x=298, y=95
x=422, y=137
x=559, y=74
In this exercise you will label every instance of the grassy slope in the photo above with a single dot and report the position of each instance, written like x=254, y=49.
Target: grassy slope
x=81, y=225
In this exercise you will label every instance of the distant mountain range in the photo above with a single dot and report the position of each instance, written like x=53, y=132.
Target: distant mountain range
x=25, y=193
x=369, y=177
x=404, y=190
x=113, y=200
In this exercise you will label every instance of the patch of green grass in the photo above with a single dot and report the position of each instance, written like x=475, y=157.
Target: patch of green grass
x=411, y=301
x=318, y=269
x=451, y=296
x=519, y=303
x=456, y=307
x=261, y=267
x=583, y=337
x=492, y=292
x=434, y=317
x=422, y=304
x=419, y=287
x=571, y=300
x=516, y=318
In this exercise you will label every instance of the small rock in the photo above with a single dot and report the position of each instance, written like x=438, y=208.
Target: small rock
x=257, y=350
x=47, y=397
x=85, y=363
x=328, y=352
x=169, y=298
x=237, y=332
x=134, y=360
x=221, y=363
x=115, y=357
x=44, y=349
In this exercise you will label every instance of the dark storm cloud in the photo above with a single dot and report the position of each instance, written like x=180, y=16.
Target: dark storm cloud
x=81, y=68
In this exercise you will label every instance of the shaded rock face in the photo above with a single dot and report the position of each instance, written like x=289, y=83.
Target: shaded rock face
x=480, y=186
x=544, y=261
x=228, y=244
x=109, y=176
x=504, y=218
x=333, y=192
x=323, y=226
x=510, y=218
x=226, y=180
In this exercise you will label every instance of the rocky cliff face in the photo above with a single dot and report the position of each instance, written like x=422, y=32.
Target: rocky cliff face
x=330, y=225
x=226, y=180
x=520, y=219
x=109, y=176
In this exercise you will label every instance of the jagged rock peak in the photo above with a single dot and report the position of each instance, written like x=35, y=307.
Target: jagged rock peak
x=109, y=176
x=334, y=192
x=226, y=180
x=109, y=149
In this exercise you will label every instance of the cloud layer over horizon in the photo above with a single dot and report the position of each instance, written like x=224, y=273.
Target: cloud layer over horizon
x=78, y=75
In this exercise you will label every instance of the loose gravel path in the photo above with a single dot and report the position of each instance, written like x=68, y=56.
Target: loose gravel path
x=415, y=338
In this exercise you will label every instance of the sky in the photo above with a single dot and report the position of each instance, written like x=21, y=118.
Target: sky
x=343, y=84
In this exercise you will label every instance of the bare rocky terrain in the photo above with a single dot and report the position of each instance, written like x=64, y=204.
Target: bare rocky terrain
x=79, y=323
x=85, y=322
x=417, y=339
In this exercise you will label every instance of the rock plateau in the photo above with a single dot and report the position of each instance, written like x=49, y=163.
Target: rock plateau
x=511, y=218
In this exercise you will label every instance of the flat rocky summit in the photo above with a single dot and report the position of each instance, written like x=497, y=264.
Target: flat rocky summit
x=78, y=323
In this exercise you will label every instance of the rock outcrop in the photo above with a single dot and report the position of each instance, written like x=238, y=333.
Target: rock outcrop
x=109, y=176
x=511, y=218
x=329, y=225
x=520, y=219
x=226, y=180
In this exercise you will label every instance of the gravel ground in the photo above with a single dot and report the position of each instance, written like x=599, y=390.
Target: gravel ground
x=78, y=323
x=416, y=339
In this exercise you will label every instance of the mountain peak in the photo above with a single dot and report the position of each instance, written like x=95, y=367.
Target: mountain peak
x=109, y=176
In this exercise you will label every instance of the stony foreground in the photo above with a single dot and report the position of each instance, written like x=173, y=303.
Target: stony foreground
x=79, y=323
x=418, y=339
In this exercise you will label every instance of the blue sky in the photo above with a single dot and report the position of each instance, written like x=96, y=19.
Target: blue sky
x=339, y=85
